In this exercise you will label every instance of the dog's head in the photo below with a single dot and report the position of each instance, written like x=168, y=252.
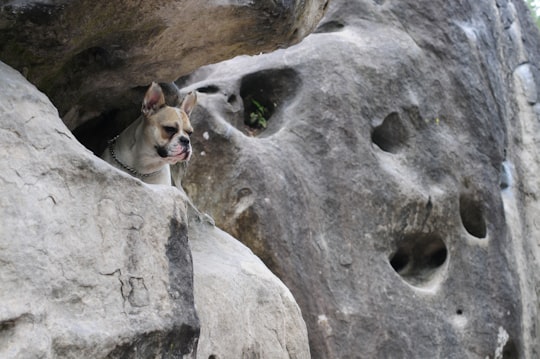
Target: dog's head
x=168, y=128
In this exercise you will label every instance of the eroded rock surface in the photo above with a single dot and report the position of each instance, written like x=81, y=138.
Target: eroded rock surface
x=85, y=54
x=245, y=311
x=394, y=188
x=94, y=264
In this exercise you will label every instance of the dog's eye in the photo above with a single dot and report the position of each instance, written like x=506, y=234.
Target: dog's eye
x=189, y=132
x=170, y=130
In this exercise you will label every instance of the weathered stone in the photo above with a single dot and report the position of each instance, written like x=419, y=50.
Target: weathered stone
x=394, y=189
x=94, y=264
x=85, y=54
x=245, y=311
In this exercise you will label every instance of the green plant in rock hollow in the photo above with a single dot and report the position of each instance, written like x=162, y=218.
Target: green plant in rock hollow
x=257, y=117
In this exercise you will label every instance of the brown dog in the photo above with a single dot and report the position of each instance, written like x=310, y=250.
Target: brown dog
x=156, y=140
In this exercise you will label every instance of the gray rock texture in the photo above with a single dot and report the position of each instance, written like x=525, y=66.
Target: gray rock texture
x=96, y=264
x=389, y=177
x=245, y=312
x=89, y=269
x=86, y=54
x=394, y=185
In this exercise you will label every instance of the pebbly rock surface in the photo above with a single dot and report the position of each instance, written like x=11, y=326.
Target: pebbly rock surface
x=85, y=54
x=386, y=169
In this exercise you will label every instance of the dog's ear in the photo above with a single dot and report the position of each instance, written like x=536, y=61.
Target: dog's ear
x=189, y=102
x=153, y=100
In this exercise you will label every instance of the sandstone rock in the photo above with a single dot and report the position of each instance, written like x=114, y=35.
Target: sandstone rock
x=394, y=187
x=245, y=311
x=85, y=54
x=94, y=263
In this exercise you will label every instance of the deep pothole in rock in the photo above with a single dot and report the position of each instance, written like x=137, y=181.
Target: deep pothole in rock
x=419, y=258
x=263, y=94
x=510, y=351
x=391, y=135
x=472, y=216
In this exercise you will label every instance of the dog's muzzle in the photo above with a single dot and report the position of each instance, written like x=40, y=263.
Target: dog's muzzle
x=176, y=152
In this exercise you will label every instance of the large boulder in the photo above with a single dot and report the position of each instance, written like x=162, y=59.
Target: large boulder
x=85, y=55
x=97, y=264
x=386, y=169
x=245, y=311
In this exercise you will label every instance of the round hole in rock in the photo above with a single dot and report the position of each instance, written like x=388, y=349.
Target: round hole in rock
x=419, y=257
x=391, y=135
x=510, y=350
x=231, y=99
x=472, y=216
x=210, y=89
x=399, y=261
x=263, y=93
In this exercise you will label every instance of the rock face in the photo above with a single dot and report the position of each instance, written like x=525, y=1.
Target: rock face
x=245, y=312
x=389, y=178
x=394, y=187
x=96, y=264
x=86, y=54
x=89, y=270
x=101, y=261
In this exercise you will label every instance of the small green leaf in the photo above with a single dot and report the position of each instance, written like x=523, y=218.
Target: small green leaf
x=260, y=107
x=256, y=118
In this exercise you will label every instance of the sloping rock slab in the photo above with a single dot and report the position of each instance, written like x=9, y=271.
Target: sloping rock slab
x=244, y=309
x=394, y=185
x=93, y=263
x=96, y=264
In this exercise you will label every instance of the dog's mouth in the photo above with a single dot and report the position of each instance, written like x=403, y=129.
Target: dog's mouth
x=178, y=155
x=182, y=156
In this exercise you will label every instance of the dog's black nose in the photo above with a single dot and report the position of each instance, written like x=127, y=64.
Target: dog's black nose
x=184, y=140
